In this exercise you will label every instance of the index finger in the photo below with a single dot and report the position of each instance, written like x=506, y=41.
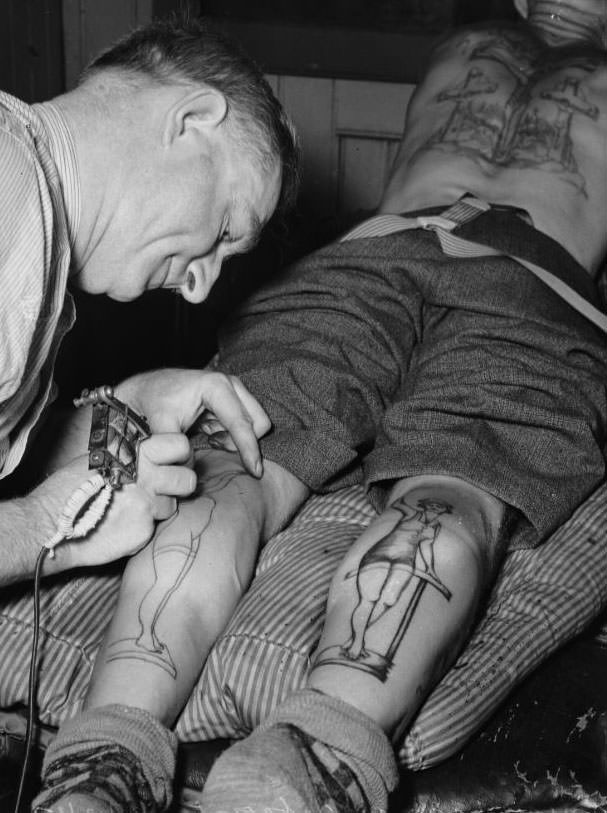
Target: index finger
x=242, y=416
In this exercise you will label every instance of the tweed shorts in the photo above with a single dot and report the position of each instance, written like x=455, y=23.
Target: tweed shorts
x=383, y=358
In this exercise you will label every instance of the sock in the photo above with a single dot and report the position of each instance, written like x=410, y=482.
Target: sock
x=110, y=759
x=77, y=803
x=314, y=753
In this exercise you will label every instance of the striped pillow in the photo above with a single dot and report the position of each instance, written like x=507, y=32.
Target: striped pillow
x=542, y=598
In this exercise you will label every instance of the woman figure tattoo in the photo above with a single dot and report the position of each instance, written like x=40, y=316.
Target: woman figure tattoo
x=171, y=563
x=390, y=580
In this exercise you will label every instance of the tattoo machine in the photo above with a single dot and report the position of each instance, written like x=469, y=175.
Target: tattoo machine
x=115, y=435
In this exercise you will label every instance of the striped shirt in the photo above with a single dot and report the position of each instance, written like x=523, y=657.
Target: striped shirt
x=39, y=206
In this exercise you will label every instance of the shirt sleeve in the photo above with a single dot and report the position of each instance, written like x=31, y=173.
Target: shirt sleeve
x=25, y=246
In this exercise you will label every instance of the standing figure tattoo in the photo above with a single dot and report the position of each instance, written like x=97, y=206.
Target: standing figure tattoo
x=171, y=562
x=390, y=580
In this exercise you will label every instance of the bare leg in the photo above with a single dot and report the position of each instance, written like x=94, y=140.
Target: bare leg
x=176, y=596
x=400, y=607
x=438, y=545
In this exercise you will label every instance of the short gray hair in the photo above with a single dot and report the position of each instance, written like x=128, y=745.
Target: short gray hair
x=191, y=50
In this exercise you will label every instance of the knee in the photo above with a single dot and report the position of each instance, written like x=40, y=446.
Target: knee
x=457, y=522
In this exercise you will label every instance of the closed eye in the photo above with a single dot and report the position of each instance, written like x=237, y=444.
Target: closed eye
x=251, y=232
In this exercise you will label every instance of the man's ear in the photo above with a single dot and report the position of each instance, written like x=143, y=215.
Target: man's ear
x=203, y=108
x=522, y=6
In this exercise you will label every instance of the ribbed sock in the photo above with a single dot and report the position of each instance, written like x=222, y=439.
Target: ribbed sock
x=108, y=760
x=314, y=753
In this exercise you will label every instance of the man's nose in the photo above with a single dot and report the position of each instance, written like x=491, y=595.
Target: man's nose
x=199, y=278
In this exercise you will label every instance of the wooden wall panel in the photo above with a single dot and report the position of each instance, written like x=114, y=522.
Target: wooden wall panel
x=369, y=119
x=31, y=49
x=364, y=165
x=310, y=103
x=349, y=132
x=375, y=108
x=91, y=25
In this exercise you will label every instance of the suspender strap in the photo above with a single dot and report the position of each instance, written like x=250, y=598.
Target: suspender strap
x=382, y=225
x=472, y=228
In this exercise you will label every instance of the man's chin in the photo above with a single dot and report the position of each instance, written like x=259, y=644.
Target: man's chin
x=122, y=296
x=120, y=284
x=116, y=296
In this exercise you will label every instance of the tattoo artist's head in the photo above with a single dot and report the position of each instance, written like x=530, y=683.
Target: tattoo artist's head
x=183, y=154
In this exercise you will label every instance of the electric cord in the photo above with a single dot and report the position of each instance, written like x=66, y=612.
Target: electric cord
x=83, y=510
x=31, y=702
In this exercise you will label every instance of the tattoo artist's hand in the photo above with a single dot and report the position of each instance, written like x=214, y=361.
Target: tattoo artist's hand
x=164, y=474
x=165, y=466
x=173, y=400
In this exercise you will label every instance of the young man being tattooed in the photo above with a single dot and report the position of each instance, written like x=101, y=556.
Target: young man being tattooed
x=468, y=391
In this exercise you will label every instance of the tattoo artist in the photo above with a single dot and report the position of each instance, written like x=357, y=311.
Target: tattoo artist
x=170, y=155
x=469, y=390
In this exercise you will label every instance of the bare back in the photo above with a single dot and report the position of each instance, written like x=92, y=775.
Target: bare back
x=501, y=115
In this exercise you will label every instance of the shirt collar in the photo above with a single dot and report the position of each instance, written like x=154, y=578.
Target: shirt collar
x=62, y=147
